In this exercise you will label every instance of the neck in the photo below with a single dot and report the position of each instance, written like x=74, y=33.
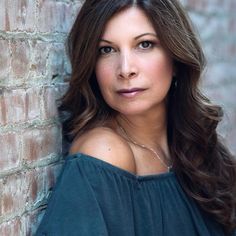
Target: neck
x=148, y=130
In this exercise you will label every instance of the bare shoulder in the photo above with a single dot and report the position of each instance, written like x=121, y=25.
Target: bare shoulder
x=103, y=143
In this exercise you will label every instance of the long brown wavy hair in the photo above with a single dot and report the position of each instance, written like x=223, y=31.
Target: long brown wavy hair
x=204, y=166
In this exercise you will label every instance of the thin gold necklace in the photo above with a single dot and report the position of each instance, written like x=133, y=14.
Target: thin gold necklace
x=144, y=147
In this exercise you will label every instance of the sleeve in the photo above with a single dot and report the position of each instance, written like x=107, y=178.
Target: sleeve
x=72, y=208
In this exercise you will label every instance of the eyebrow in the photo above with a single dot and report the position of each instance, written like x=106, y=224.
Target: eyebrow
x=137, y=37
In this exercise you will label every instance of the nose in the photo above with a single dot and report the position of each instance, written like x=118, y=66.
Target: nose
x=127, y=66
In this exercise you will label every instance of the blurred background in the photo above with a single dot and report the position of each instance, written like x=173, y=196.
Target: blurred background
x=34, y=72
x=215, y=21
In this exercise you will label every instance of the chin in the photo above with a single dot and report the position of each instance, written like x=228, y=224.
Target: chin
x=131, y=111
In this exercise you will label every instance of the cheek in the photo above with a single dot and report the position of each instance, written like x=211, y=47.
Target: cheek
x=160, y=67
x=103, y=73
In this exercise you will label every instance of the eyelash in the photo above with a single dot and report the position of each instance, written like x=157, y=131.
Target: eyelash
x=149, y=42
x=151, y=45
x=102, y=48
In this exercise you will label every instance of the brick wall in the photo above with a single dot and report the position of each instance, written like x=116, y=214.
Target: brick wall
x=33, y=68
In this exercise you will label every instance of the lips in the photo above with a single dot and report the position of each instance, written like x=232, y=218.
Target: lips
x=129, y=93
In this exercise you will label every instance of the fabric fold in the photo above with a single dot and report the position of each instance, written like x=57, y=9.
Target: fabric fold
x=95, y=198
x=73, y=208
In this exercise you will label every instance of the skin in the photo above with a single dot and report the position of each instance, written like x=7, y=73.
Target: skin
x=132, y=58
x=133, y=61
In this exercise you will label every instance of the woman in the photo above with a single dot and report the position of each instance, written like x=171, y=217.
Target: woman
x=145, y=157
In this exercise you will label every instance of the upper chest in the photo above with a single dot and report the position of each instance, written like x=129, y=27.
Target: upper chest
x=147, y=162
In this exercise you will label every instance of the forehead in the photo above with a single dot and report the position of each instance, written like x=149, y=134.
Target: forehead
x=132, y=20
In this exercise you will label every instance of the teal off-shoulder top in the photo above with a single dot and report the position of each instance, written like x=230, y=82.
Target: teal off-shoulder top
x=95, y=198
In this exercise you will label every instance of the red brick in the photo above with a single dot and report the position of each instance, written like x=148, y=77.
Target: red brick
x=32, y=103
x=32, y=221
x=20, y=58
x=4, y=59
x=17, y=15
x=38, y=143
x=1, y=187
x=61, y=16
x=66, y=17
x=41, y=180
x=20, y=105
x=24, y=191
x=11, y=228
x=71, y=11
x=49, y=175
x=12, y=106
x=39, y=58
x=56, y=60
x=47, y=13
x=10, y=155
x=55, y=11
x=3, y=109
x=14, y=194
x=4, y=16
x=49, y=103
x=36, y=191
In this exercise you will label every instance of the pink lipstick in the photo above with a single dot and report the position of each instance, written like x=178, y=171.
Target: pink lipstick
x=130, y=93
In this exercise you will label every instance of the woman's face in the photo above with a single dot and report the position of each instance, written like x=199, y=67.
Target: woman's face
x=133, y=71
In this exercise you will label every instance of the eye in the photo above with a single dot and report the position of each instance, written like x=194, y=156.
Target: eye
x=146, y=45
x=105, y=50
